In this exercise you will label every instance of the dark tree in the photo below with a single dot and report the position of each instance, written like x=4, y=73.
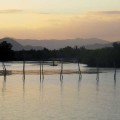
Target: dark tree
x=6, y=52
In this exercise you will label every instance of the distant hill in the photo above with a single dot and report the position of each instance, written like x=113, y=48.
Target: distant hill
x=16, y=46
x=29, y=47
x=57, y=44
x=92, y=43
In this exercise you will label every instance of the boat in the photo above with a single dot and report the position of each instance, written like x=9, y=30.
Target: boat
x=54, y=64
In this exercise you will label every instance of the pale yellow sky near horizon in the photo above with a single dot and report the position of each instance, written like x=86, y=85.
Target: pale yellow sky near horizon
x=59, y=19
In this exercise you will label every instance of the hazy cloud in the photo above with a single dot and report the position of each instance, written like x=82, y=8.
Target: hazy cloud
x=38, y=12
x=11, y=11
x=34, y=24
x=7, y=11
x=107, y=12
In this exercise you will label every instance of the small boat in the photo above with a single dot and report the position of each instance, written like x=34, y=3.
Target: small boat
x=54, y=64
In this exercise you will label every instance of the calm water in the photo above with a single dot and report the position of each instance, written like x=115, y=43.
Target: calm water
x=72, y=99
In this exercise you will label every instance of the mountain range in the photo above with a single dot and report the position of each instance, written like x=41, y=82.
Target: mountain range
x=26, y=44
x=16, y=46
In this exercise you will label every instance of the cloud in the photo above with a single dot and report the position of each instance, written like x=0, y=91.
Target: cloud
x=37, y=24
x=37, y=12
x=107, y=12
x=11, y=11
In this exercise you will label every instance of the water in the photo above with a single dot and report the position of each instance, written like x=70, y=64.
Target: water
x=52, y=99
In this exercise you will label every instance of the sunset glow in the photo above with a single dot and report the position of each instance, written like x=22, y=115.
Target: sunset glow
x=60, y=19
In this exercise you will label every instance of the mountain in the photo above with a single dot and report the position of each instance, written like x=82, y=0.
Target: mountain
x=57, y=44
x=92, y=43
x=16, y=46
x=29, y=47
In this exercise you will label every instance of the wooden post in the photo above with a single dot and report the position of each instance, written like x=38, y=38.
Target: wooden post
x=79, y=71
x=97, y=77
x=4, y=70
x=61, y=87
x=23, y=87
x=53, y=63
x=42, y=71
x=24, y=70
x=97, y=84
x=61, y=73
x=114, y=72
x=4, y=85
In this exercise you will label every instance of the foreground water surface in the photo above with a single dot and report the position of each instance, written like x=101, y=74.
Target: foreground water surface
x=52, y=99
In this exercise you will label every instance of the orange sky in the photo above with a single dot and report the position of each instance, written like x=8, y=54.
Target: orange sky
x=60, y=20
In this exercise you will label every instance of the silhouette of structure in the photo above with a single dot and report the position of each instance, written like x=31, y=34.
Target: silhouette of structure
x=61, y=73
x=41, y=71
x=79, y=71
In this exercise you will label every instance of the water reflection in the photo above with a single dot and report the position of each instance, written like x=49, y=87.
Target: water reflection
x=97, y=76
x=97, y=99
x=61, y=77
x=23, y=88
x=97, y=85
x=97, y=71
x=61, y=93
x=4, y=85
x=41, y=71
x=78, y=88
x=41, y=88
x=114, y=83
x=23, y=105
x=61, y=87
x=80, y=77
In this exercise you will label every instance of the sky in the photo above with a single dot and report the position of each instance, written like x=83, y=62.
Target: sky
x=60, y=19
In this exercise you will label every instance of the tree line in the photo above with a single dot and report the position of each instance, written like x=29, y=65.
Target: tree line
x=105, y=57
